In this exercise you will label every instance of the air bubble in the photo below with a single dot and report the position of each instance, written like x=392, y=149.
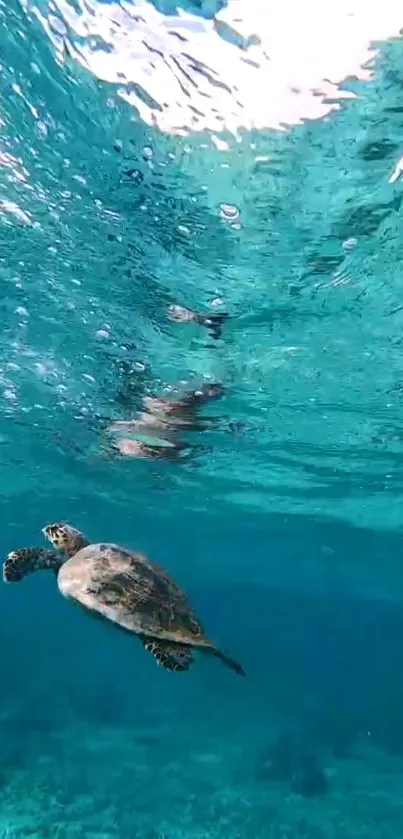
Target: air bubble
x=42, y=128
x=229, y=211
x=10, y=395
x=349, y=243
x=57, y=25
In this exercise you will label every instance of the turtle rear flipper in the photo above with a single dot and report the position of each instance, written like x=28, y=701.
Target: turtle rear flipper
x=213, y=322
x=172, y=657
x=27, y=560
x=229, y=662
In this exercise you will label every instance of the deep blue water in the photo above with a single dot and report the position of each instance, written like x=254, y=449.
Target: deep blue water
x=147, y=159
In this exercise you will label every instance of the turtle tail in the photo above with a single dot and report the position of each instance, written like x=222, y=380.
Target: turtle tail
x=227, y=660
x=27, y=560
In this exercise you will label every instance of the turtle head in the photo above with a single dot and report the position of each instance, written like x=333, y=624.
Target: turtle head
x=211, y=390
x=181, y=315
x=64, y=537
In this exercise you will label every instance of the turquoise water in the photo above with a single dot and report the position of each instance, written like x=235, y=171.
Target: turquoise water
x=135, y=177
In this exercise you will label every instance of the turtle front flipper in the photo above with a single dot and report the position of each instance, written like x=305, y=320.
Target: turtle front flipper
x=172, y=657
x=27, y=560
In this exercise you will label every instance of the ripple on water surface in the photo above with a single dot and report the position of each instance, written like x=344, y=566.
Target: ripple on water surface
x=123, y=196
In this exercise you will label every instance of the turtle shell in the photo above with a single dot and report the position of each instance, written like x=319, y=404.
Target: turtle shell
x=126, y=589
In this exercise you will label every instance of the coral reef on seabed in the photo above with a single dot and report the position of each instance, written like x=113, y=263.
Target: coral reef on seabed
x=170, y=781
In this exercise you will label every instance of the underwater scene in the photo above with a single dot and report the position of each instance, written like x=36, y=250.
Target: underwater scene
x=201, y=419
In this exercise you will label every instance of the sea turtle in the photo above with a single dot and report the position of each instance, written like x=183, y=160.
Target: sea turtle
x=161, y=424
x=123, y=587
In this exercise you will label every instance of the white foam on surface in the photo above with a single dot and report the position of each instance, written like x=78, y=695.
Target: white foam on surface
x=183, y=74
